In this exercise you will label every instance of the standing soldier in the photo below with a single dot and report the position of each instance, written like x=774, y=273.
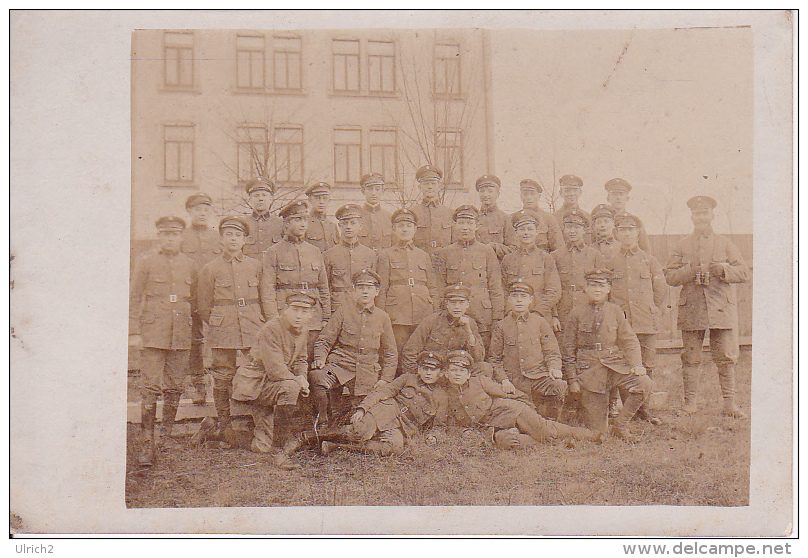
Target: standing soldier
x=706, y=266
x=494, y=222
x=294, y=264
x=617, y=195
x=201, y=244
x=234, y=299
x=434, y=218
x=550, y=236
x=408, y=291
x=347, y=257
x=475, y=265
x=377, y=231
x=162, y=298
x=604, y=241
x=534, y=265
x=639, y=288
x=265, y=229
x=571, y=186
x=321, y=232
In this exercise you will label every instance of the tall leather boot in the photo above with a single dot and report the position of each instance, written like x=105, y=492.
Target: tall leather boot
x=221, y=398
x=148, y=414
x=614, y=395
x=284, y=440
x=690, y=388
x=171, y=402
x=619, y=424
x=726, y=379
x=319, y=397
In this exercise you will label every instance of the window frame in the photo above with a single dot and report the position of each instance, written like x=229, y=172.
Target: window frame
x=180, y=48
x=179, y=182
x=242, y=132
x=396, y=163
x=263, y=51
x=447, y=94
x=275, y=144
x=276, y=52
x=358, y=56
x=461, y=149
x=360, y=158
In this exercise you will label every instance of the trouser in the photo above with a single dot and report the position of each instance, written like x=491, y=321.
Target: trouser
x=284, y=392
x=326, y=392
x=310, y=341
x=595, y=405
x=724, y=351
x=649, y=357
x=365, y=437
x=196, y=365
x=507, y=413
x=546, y=392
x=162, y=372
x=223, y=370
x=402, y=334
x=486, y=335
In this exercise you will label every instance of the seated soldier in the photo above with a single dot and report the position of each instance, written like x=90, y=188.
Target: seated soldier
x=409, y=405
x=273, y=380
x=480, y=401
x=356, y=349
x=525, y=355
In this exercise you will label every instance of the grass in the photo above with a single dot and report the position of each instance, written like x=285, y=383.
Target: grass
x=702, y=460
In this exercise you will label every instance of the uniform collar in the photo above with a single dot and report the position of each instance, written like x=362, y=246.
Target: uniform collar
x=575, y=246
x=521, y=317
x=347, y=244
x=292, y=239
x=485, y=210
x=167, y=253
x=629, y=251
x=373, y=208
x=597, y=305
x=409, y=244
x=451, y=320
x=261, y=216
x=605, y=239
x=430, y=203
x=228, y=258
x=365, y=310
x=466, y=243
x=706, y=233
x=529, y=249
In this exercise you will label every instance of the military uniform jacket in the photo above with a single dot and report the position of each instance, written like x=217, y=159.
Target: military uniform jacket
x=473, y=403
x=407, y=403
x=408, y=290
x=280, y=353
x=265, y=230
x=608, y=246
x=162, y=295
x=550, y=236
x=435, y=225
x=341, y=262
x=233, y=292
x=598, y=338
x=377, y=228
x=322, y=232
x=706, y=306
x=201, y=244
x=493, y=225
x=644, y=244
x=572, y=262
x=537, y=267
x=638, y=287
x=477, y=267
x=566, y=210
x=360, y=344
x=293, y=264
x=523, y=345
x=440, y=333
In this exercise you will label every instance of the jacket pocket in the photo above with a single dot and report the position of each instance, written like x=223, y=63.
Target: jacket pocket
x=223, y=282
x=486, y=303
x=215, y=320
x=286, y=267
x=252, y=282
x=148, y=318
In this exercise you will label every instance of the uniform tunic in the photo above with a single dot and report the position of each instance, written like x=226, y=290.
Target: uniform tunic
x=493, y=224
x=341, y=262
x=201, y=244
x=566, y=210
x=434, y=226
x=638, y=287
x=482, y=402
x=265, y=230
x=377, y=228
x=408, y=290
x=572, y=263
x=523, y=347
x=550, y=236
x=538, y=268
x=321, y=232
x=441, y=333
x=407, y=403
x=606, y=245
x=644, y=244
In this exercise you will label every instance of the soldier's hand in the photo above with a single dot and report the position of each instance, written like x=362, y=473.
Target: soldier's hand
x=379, y=383
x=716, y=270
x=465, y=321
x=304, y=385
x=357, y=416
x=575, y=386
x=639, y=370
x=136, y=340
x=507, y=439
x=508, y=387
x=556, y=324
x=319, y=363
x=555, y=373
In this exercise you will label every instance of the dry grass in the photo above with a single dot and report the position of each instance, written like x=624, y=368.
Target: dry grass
x=701, y=460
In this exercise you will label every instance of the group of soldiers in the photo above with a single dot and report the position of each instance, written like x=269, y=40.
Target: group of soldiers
x=386, y=326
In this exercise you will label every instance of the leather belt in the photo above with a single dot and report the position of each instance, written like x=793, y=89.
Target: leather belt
x=598, y=347
x=171, y=298
x=281, y=286
x=411, y=282
x=237, y=302
x=408, y=414
x=351, y=348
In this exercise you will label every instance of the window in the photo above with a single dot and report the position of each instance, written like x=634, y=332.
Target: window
x=346, y=64
x=381, y=67
x=447, y=69
x=449, y=156
x=347, y=156
x=289, y=154
x=288, y=67
x=179, y=152
x=179, y=59
x=253, y=152
x=383, y=153
x=250, y=61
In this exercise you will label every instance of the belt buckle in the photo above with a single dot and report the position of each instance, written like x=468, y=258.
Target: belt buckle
x=242, y=302
x=434, y=243
x=411, y=282
x=304, y=285
x=598, y=346
x=172, y=298
x=404, y=409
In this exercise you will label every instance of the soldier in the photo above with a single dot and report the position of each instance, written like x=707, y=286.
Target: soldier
x=201, y=244
x=356, y=349
x=265, y=229
x=294, y=264
x=321, y=232
x=706, y=266
x=600, y=351
x=604, y=240
x=524, y=353
x=480, y=401
x=617, y=195
x=377, y=231
x=347, y=257
x=639, y=288
x=162, y=297
x=550, y=236
x=571, y=186
x=434, y=218
x=234, y=299
x=475, y=265
x=532, y=264
x=494, y=222
x=408, y=290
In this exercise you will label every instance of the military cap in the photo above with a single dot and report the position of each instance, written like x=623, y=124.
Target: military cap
x=524, y=216
x=599, y=275
x=170, y=223
x=603, y=210
x=617, y=184
x=260, y=184
x=428, y=172
x=372, y=179
x=460, y=358
x=404, y=214
x=488, y=180
x=430, y=359
x=458, y=290
x=571, y=180
x=199, y=198
x=297, y=208
x=575, y=218
x=366, y=277
x=300, y=297
x=318, y=188
x=627, y=220
x=466, y=212
x=701, y=202
x=530, y=184
x=521, y=286
x=234, y=222
x=348, y=211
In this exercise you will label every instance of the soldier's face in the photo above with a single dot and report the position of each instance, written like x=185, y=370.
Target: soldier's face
x=571, y=194
x=365, y=294
x=429, y=374
x=349, y=228
x=628, y=236
x=530, y=198
x=233, y=240
x=170, y=240
x=297, y=226
x=260, y=200
x=488, y=195
x=457, y=307
x=405, y=230
x=430, y=188
x=617, y=199
x=574, y=232
x=319, y=203
x=466, y=227
x=457, y=375
x=701, y=217
x=596, y=291
x=297, y=316
x=373, y=193
x=604, y=226
x=520, y=302
x=200, y=214
x=527, y=233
